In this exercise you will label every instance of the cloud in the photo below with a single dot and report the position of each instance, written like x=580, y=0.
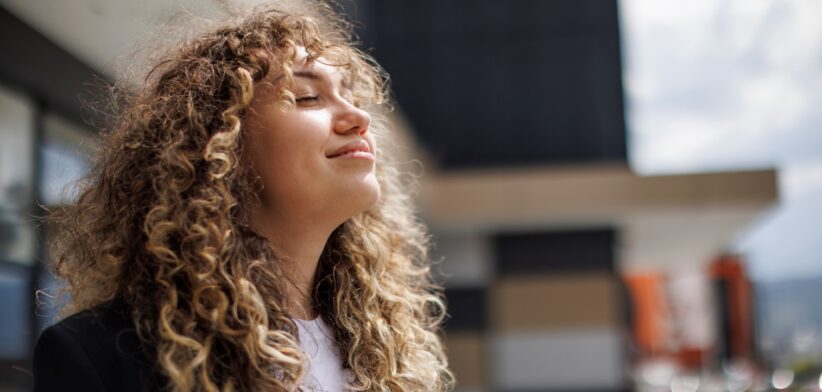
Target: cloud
x=722, y=85
x=725, y=85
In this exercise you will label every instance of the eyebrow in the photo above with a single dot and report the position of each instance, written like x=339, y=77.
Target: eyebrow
x=307, y=74
x=315, y=76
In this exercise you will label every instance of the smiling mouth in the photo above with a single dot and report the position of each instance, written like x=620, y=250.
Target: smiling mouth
x=353, y=149
x=354, y=154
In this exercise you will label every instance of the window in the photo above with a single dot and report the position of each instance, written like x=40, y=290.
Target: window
x=66, y=153
x=17, y=237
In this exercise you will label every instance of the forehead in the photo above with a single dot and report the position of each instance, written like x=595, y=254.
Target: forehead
x=320, y=71
x=318, y=68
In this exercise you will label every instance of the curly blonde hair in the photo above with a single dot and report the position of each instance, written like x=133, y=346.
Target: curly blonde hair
x=162, y=223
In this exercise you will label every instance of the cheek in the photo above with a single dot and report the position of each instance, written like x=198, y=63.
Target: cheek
x=283, y=142
x=289, y=160
x=284, y=162
x=289, y=149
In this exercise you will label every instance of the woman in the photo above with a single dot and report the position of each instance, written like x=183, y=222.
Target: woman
x=242, y=230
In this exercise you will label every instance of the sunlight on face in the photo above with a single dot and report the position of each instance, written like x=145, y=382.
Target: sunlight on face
x=316, y=158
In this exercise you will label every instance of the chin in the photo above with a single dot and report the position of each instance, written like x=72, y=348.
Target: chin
x=373, y=196
x=361, y=195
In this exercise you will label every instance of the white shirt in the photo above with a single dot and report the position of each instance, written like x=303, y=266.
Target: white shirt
x=325, y=371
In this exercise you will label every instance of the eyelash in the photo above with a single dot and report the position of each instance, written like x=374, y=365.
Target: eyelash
x=353, y=100
x=306, y=99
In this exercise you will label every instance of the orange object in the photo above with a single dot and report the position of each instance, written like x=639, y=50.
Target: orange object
x=650, y=313
x=738, y=336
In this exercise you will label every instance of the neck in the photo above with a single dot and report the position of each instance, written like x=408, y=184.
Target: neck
x=298, y=244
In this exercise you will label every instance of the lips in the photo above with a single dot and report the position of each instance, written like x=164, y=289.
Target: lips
x=359, y=145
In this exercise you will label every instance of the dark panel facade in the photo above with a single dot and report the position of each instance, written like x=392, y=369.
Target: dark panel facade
x=467, y=309
x=46, y=72
x=504, y=83
x=549, y=252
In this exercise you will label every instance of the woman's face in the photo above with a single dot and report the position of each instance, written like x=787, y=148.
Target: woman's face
x=296, y=150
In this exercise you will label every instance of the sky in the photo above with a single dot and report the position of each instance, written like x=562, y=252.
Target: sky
x=723, y=85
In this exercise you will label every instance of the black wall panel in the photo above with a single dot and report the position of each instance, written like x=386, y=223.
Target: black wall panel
x=46, y=72
x=548, y=252
x=467, y=309
x=504, y=83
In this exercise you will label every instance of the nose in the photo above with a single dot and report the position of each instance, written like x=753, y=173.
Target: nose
x=351, y=119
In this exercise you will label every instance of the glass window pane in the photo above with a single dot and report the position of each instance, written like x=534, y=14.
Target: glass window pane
x=16, y=173
x=14, y=335
x=66, y=149
x=49, y=297
x=49, y=300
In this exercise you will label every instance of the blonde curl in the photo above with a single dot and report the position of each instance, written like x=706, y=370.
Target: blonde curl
x=162, y=223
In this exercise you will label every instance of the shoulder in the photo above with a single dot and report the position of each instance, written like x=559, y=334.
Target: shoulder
x=95, y=328
x=96, y=349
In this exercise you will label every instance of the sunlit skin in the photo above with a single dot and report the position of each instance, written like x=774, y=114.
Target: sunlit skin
x=307, y=193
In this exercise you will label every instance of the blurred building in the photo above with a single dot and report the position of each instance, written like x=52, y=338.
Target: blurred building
x=549, y=246
x=541, y=228
x=44, y=147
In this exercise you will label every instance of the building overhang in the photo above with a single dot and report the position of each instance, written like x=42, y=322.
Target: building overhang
x=664, y=221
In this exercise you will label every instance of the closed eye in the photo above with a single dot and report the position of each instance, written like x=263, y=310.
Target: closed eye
x=307, y=98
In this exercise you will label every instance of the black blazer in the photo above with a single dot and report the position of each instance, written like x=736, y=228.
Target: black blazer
x=94, y=350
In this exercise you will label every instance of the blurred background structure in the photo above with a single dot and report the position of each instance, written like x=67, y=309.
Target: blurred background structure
x=623, y=195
